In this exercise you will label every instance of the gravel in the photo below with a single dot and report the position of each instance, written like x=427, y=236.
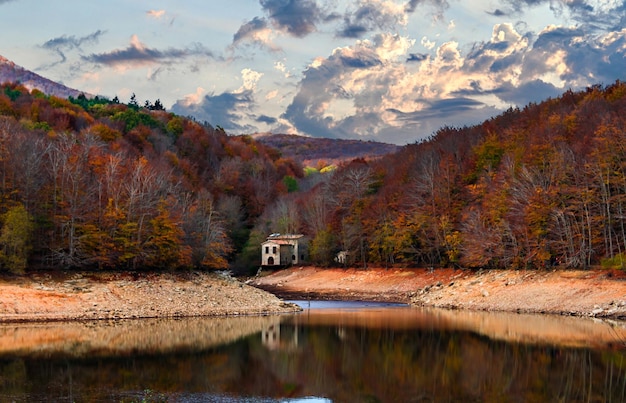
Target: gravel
x=92, y=296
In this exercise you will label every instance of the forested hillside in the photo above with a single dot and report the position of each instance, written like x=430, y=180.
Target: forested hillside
x=536, y=187
x=92, y=183
x=319, y=152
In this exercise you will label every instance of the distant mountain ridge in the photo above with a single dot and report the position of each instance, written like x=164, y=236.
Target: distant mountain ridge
x=12, y=73
x=311, y=150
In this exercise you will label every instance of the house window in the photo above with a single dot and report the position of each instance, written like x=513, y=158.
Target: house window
x=274, y=250
x=267, y=249
x=293, y=258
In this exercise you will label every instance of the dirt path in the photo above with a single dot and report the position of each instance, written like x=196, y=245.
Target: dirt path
x=593, y=293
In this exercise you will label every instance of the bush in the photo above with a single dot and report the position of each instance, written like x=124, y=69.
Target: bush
x=617, y=262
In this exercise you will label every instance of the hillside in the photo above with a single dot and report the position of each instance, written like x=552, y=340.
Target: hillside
x=315, y=151
x=95, y=184
x=99, y=184
x=12, y=73
x=536, y=187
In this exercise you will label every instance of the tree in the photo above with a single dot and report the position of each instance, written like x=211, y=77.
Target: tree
x=164, y=247
x=290, y=183
x=284, y=217
x=133, y=102
x=158, y=106
x=206, y=233
x=323, y=248
x=15, y=239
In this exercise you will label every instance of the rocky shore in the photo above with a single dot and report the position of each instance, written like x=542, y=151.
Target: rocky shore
x=122, y=295
x=89, y=296
x=591, y=293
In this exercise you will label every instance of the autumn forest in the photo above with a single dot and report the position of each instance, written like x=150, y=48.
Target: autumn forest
x=92, y=183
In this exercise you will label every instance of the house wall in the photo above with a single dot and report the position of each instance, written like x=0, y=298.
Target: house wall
x=270, y=250
x=283, y=254
x=286, y=253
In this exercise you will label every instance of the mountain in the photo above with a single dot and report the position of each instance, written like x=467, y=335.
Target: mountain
x=12, y=73
x=313, y=150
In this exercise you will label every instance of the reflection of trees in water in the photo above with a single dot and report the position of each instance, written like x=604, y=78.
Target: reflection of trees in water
x=342, y=363
x=408, y=365
x=123, y=337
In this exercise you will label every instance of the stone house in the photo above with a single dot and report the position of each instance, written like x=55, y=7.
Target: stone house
x=284, y=250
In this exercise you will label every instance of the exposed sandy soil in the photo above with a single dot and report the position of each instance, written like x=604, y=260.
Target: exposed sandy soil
x=49, y=296
x=594, y=293
x=81, y=296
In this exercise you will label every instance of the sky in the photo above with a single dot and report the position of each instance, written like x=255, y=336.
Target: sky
x=387, y=70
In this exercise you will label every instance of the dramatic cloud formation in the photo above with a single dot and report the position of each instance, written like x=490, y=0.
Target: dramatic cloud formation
x=391, y=70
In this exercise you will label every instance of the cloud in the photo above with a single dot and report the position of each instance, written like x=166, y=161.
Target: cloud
x=295, y=17
x=137, y=54
x=427, y=43
x=378, y=89
x=268, y=120
x=440, y=5
x=226, y=110
x=250, y=79
x=383, y=16
x=158, y=14
x=417, y=57
x=299, y=18
x=61, y=44
x=249, y=29
x=347, y=94
x=528, y=92
x=280, y=66
x=371, y=15
x=593, y=14
x=352, y=30
x=256, y=32
x=384, y=88
x=232, y=110
x=497, y=13
x=440, y=109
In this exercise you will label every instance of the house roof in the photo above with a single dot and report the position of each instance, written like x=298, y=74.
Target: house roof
x=278, y=242
x=289, y=237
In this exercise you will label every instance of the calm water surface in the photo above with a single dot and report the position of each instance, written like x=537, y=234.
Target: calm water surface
x=331, y=352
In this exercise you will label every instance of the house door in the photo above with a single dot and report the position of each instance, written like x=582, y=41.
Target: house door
x=270, y=261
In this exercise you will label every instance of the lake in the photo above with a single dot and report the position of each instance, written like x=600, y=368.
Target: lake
x=331, y=352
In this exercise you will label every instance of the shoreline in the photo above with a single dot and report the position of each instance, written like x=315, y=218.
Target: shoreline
x=585, y=293
x=71, y=296
x=78, y=296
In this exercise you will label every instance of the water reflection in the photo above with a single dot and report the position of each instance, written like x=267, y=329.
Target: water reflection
x=349, y=354
x=512, y=327
x=126, y=337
